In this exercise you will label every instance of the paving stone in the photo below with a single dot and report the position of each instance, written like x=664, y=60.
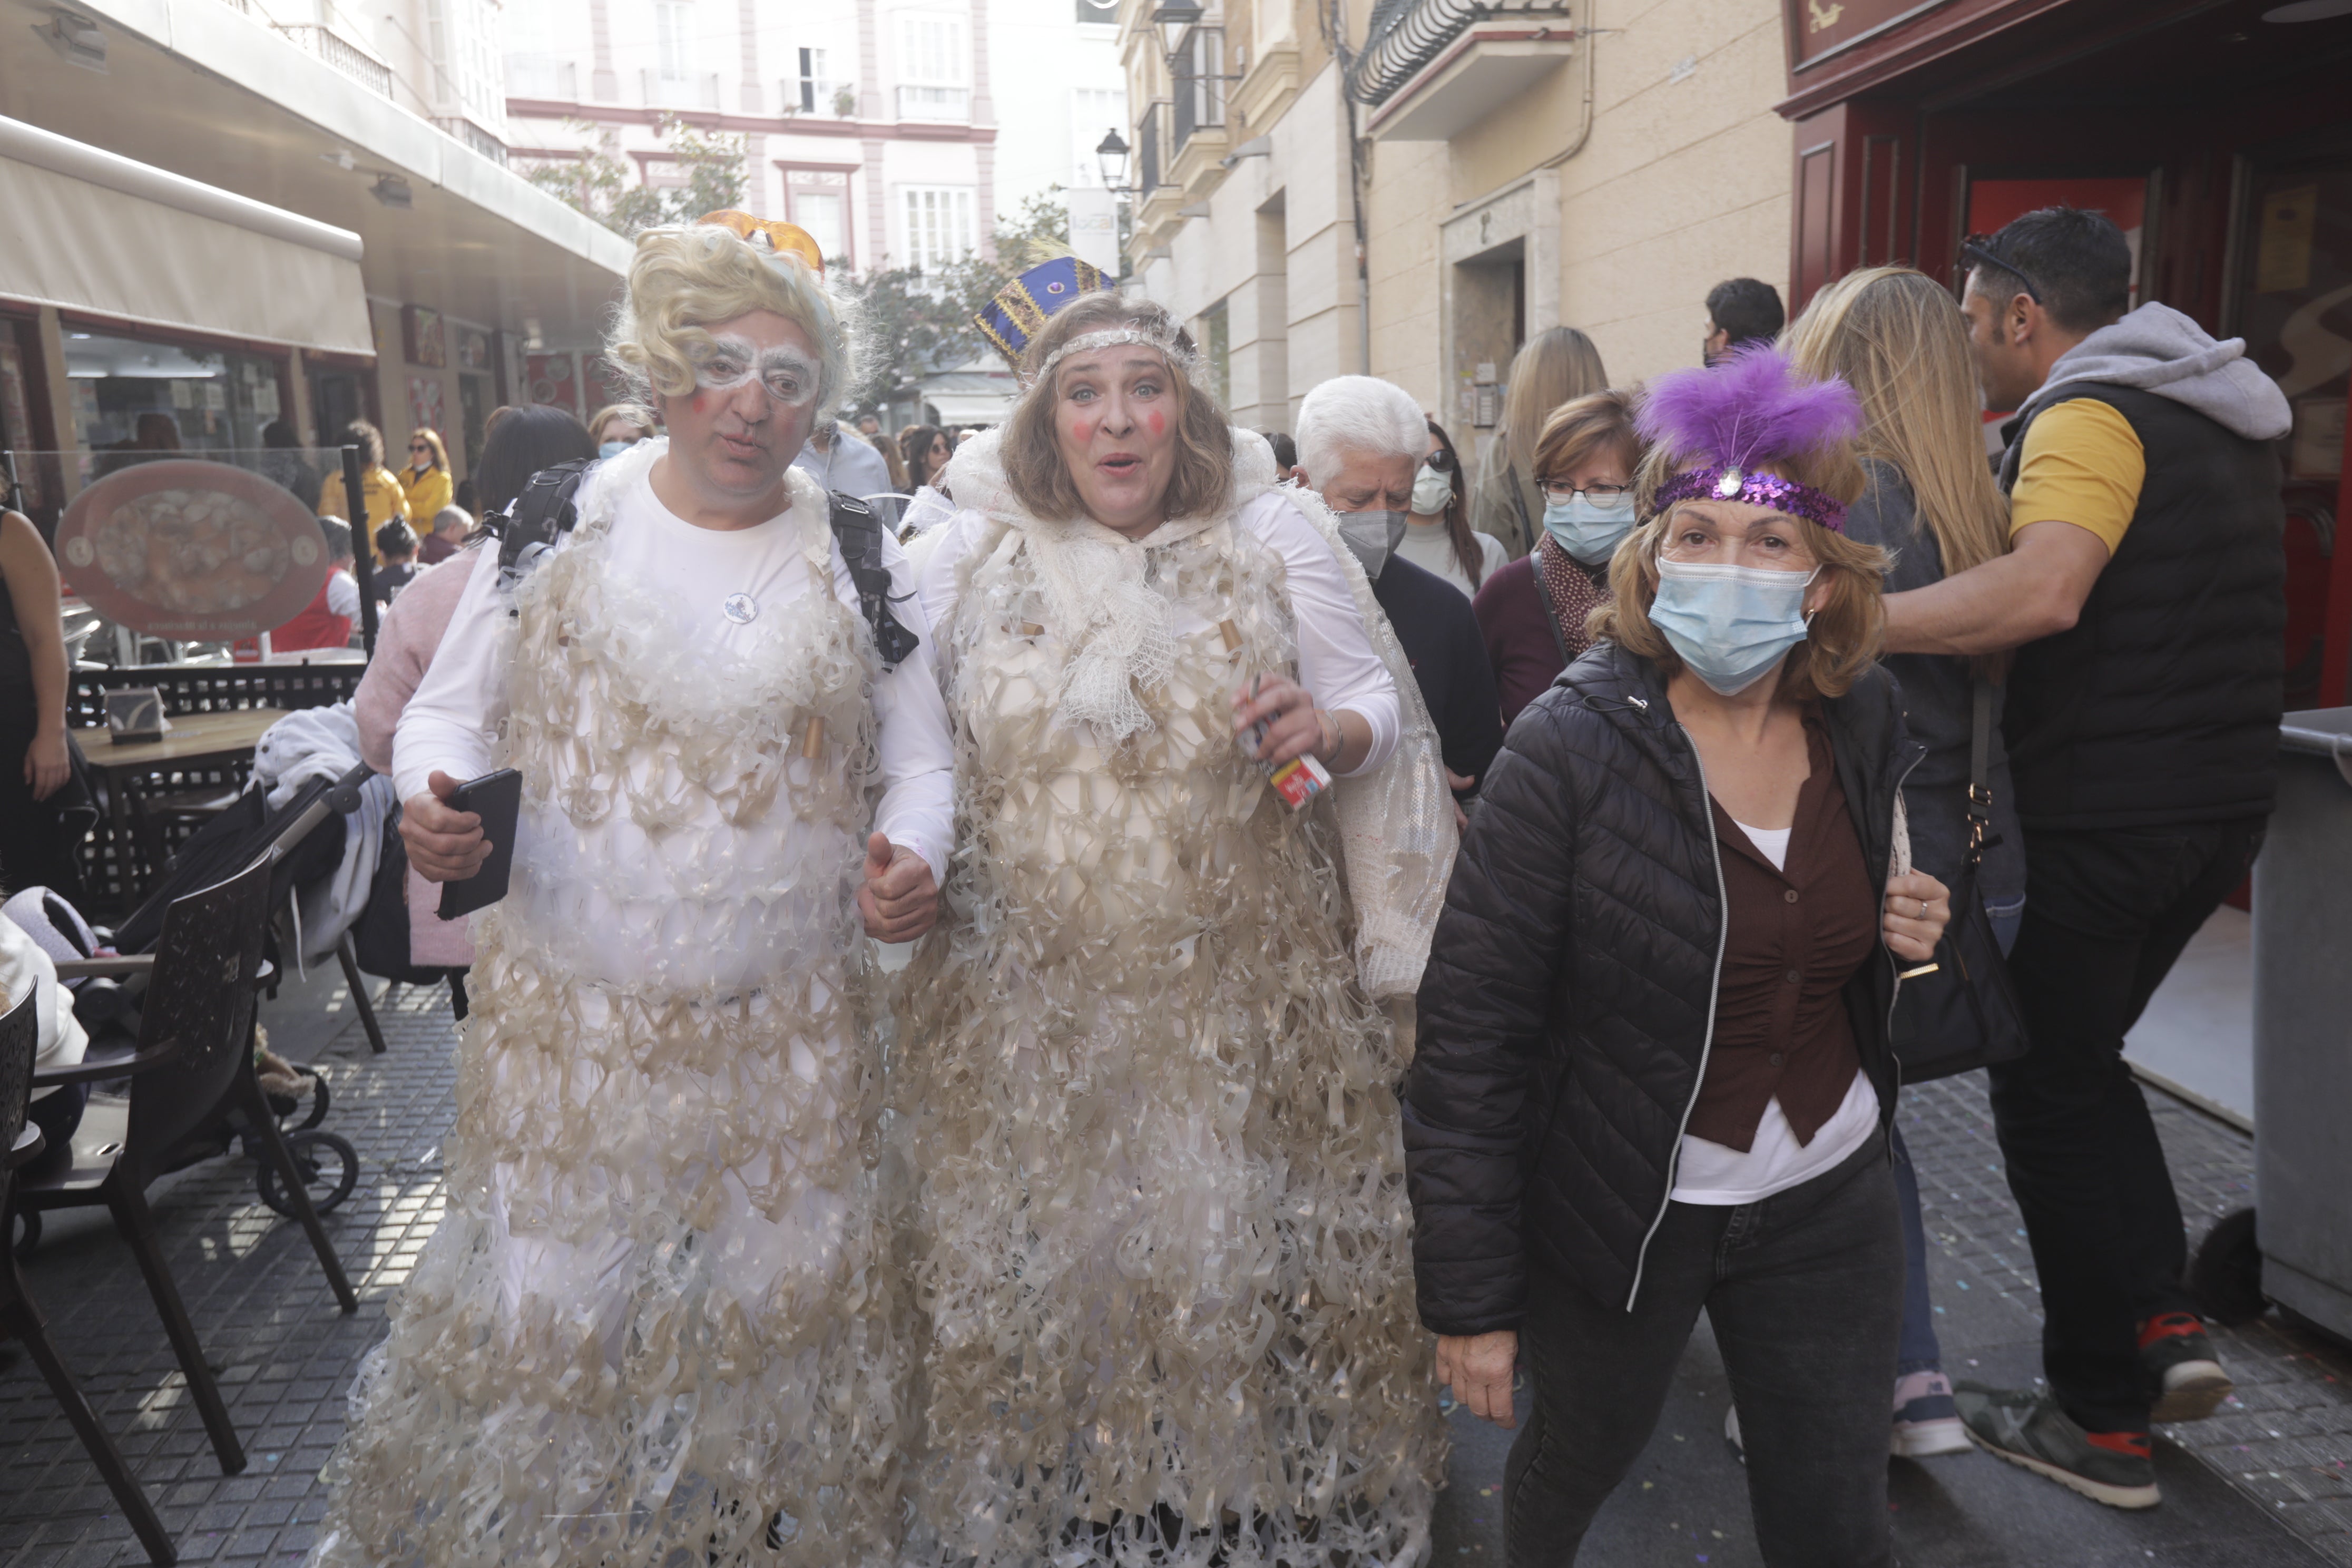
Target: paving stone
x=2282, y=1450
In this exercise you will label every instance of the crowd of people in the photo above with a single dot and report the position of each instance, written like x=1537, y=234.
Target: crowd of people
x=1377, y=926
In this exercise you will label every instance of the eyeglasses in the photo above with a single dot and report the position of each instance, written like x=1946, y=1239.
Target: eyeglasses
x=419, y=447
x=1442, y=460
x=1977, y=250
x=1564, y=490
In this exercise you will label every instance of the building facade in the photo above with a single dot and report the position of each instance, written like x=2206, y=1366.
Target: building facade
x=368, y=253
x=1415, y=187
x=899, y=132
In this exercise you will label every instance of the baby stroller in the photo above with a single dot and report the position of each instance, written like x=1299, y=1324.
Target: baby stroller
x=302, y=839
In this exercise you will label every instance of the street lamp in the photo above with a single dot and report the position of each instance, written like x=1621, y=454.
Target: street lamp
x=1111, y=155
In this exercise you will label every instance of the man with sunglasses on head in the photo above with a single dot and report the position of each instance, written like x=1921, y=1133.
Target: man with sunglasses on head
x=2142, y=593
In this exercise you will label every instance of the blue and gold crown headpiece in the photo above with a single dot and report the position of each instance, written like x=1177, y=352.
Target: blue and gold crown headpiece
x=1021, y=307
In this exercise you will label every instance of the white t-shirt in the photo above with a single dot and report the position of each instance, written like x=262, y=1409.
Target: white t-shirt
x=451, y=724
x=342, y=595
x=1337, y=664
x=1718, y=1174
x=1427, y=547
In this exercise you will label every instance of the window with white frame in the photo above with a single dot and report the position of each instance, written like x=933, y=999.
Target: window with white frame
x=938, y=228
x=674, y=37
x=934, y=67
x=812, y=90
x=1094, y=112
x=818, y=201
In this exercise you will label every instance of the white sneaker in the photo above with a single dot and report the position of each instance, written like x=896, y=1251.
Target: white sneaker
x=1926, y=1420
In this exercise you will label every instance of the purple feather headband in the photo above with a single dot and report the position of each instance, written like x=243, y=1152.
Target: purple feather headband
x=1749, y=411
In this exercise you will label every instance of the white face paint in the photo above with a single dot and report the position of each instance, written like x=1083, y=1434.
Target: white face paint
x=791, y=376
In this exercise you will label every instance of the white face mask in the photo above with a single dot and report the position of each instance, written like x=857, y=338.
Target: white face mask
x=1431, y=491
x=1373, y=536
x=1731, y=625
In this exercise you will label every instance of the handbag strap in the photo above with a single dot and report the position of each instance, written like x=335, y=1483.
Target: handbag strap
x=1980, y=807
x=1551, y=610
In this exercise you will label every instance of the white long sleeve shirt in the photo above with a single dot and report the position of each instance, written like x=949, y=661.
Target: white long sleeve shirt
x=1337, y=663
x=451, y=724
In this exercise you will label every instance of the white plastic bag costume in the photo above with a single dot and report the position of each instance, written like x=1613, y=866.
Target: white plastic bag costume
x=1160, y=1228
x=658, y=1311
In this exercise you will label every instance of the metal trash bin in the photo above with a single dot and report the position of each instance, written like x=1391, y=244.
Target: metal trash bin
x=2303, y=1039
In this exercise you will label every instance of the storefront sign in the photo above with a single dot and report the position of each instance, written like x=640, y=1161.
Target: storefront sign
x=181, y=548
x=423, y=337
x=550, y=379
x=473, y=350
x=1820, y=27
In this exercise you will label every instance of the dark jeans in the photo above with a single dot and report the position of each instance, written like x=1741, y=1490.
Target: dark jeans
x=1805, y=1292
x=2109, y=913
x=1920, y=1351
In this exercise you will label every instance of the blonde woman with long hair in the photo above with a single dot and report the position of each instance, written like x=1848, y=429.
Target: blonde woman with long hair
x=1897, y=338
x=1551, y=368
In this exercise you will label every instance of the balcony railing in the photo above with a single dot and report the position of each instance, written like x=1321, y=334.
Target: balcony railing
x=1406, y=34
x=695, y=90
x=342, y=54
x=536, y=75
x=953, y=104
x=473, y=137
x=1199, y=66
x=1147, y=152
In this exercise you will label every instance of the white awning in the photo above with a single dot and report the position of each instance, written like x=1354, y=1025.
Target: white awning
x=89, y=230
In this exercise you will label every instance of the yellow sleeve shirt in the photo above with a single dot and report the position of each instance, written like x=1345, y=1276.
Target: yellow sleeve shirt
x=2083, y=464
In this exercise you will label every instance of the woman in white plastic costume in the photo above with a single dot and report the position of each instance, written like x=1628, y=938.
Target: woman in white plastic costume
x=1159, y=1231
x=657, y=1325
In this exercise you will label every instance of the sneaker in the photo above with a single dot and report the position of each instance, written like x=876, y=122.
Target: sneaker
x=2029, y=1429
x=1926, y=1420
x=2185, y=1382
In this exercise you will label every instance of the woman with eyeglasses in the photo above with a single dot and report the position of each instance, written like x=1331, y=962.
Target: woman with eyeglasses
x=1438, y=537
x=1532, y=612
x=425, y=480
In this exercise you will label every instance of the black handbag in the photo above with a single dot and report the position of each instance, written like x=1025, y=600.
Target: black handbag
x=1961, y=1013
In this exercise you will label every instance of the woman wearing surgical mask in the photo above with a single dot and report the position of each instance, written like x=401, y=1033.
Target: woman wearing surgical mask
x=1532, y=613
x=619, y=426
x=1651, y=1076
x=1438, y=537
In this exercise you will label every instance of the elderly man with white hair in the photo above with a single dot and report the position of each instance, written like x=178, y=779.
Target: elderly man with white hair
x=1360, y=442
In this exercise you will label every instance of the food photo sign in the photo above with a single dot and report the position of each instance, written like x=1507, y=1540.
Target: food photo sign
x=197, y=551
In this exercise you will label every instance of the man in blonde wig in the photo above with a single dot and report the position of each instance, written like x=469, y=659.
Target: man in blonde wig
x=656, y=1325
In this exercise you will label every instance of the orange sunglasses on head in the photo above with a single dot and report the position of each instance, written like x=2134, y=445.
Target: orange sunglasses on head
x=783, y=238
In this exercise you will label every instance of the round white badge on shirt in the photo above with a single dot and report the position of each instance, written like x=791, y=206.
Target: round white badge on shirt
x=740, y=608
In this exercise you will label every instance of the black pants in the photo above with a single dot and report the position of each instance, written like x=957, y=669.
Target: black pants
x=2106, y=915
x=1805, y=1292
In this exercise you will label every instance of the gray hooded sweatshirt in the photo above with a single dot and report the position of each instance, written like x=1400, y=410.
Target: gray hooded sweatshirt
x=2158, y=349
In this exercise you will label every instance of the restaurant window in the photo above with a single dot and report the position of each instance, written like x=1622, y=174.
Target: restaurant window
x=134, y=397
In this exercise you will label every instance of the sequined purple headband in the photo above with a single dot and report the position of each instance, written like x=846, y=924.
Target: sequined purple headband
x=1731, y=482
x=1734, y=421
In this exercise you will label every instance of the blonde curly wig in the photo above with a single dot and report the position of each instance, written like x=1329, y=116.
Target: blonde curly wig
x=685, y=280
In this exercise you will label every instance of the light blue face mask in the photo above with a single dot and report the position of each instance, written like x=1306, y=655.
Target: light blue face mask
x=1587, y=529
x=611, y=449
x=1731, y=625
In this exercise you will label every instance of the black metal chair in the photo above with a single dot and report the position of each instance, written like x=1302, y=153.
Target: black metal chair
x=194, y=1064
x=20, y=1319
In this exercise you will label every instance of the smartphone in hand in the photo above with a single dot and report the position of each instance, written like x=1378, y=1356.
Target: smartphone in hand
x=497, y=799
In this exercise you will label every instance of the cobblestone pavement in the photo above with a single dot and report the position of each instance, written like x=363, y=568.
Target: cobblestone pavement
x=2263, y=1485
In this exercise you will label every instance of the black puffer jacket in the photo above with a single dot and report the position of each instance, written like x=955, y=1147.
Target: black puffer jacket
x=1569, y=1003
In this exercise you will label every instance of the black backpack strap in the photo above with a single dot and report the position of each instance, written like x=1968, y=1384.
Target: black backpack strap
x=860, y=535
x=534, y=520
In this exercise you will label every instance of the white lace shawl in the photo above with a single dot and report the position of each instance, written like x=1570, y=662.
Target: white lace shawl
x=1396, y=820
